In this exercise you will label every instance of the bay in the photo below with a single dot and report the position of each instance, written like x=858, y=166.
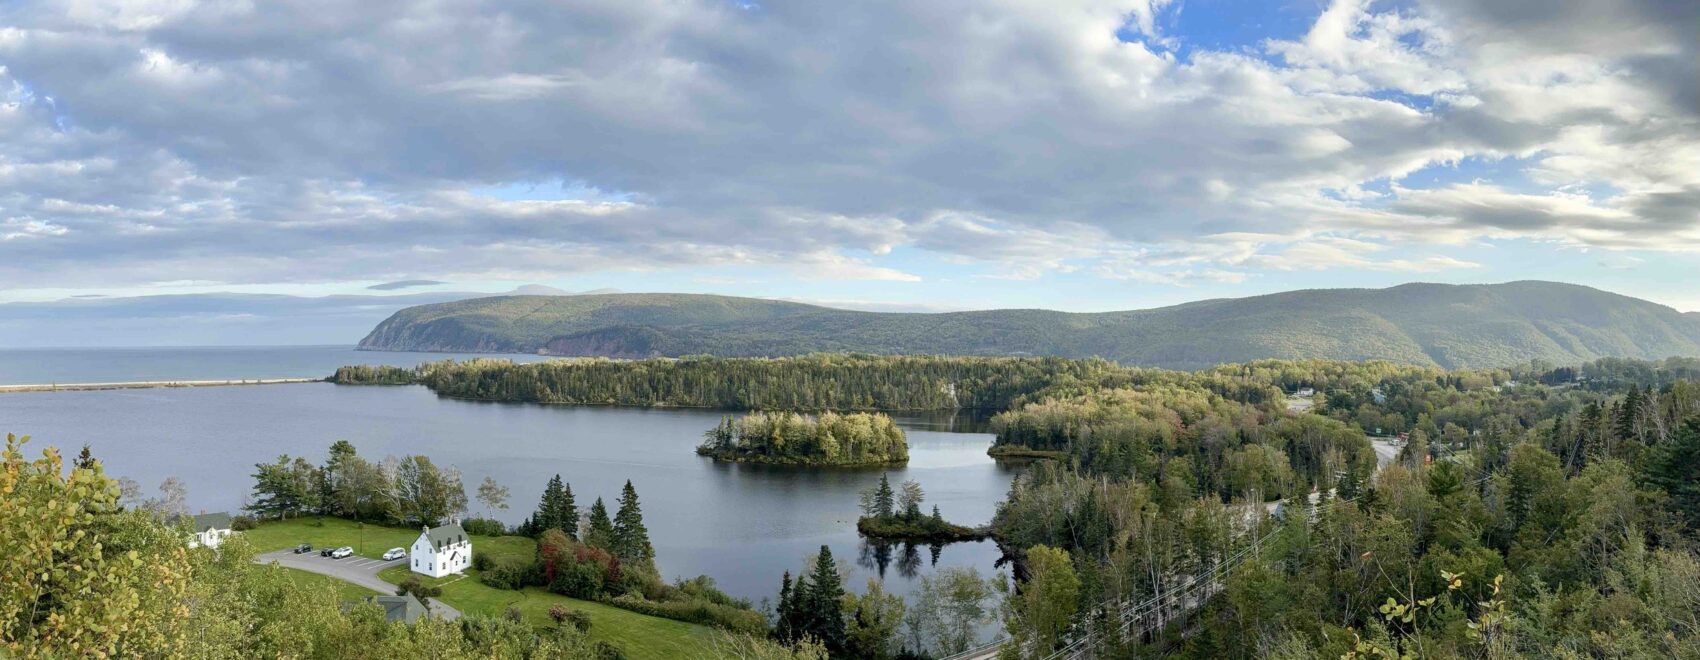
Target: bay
x=42, y=366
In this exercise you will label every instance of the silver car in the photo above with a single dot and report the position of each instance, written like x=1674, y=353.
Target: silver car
x=341, y=552
x=395, y=553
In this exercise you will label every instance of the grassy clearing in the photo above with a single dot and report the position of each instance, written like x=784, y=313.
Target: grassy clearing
x=344, y=590
x=641, y=636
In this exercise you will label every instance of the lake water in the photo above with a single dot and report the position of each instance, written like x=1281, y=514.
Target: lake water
x=740, y=524
x=37, y=366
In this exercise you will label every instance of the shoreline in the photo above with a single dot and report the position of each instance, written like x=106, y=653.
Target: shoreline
x=150, y=384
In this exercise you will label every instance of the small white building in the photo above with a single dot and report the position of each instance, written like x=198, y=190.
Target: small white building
x=441, y=551
x=208, y=529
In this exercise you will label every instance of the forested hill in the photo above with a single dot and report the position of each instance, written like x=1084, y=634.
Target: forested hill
x=1443, y=325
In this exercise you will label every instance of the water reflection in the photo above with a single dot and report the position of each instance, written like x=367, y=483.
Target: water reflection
x=876, y=555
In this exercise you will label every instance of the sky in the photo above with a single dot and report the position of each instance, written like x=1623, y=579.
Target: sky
x=1068, y=154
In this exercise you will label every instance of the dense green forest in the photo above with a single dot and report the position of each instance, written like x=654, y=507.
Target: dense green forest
x=1520, y=519
x=811, y=382
x=1440, y=325
x=827, y=439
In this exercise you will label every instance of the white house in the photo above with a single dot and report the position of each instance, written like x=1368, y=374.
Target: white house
x=208, y=529
x=441, y=551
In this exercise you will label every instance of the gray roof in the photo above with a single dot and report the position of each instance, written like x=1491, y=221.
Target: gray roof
x=444, y=535
x=205, y=521
x=405, y=609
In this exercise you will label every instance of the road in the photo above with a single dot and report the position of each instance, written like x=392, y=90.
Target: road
x=1385, y=451
x=355, y=570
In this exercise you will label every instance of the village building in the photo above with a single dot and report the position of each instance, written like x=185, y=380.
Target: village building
x=207, y=529
x=441, y=551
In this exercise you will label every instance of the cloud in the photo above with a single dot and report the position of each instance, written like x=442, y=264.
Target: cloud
x=403, y=284
x=296, y=141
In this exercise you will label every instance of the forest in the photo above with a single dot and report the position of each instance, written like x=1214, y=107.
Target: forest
x=1520, y=519
x=818, y=382
x=788, y=438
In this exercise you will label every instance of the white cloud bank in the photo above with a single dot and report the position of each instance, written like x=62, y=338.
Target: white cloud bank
x=297, y=141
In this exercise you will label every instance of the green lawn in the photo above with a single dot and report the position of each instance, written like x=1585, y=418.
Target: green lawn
x=641, y=636
x=344, y=590
x=367, y=540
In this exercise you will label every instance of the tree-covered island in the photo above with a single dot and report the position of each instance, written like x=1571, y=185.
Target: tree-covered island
x=895, y=515
x=788, y=438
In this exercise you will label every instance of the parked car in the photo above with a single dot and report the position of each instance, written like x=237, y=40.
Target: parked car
x=326, y=552
x=341, y=552
x=303, y=548
x=395, y=553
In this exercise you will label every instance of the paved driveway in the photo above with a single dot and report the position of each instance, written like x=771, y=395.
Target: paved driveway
x=356, y=569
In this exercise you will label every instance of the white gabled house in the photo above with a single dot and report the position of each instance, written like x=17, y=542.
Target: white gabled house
x=441, y=551
x=207, y=529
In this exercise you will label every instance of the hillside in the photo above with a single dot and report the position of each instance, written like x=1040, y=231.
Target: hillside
x=1431, y=324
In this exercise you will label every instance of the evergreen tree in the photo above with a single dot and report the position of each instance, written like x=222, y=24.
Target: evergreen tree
x=556, y=510
x=1676, y=470
x=85, y=459
x=822, y=600
x=1628, y=414
x=884, y=499
x=601, y=530
x=785, y=619
x=631, y=538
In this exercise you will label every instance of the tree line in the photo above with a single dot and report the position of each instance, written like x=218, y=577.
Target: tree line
x=410, y=490
x=845, y=382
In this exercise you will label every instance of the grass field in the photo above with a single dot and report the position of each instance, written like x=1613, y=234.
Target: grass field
x=344, y=590
x=641, y=636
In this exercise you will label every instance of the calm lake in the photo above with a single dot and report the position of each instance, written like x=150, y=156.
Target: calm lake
x=743, y=525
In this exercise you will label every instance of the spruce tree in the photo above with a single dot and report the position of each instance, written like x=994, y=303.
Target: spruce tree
x=631, y=538
x=822, y=602
x=1675, y=469
x=556, y=510
x=884, y=499
x=601, y=531
x=85, y=459
x=785, y=615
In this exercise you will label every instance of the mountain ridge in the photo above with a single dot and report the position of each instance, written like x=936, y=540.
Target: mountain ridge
x=1447, y=325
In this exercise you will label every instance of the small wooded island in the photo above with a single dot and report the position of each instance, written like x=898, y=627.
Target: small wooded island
x=789, y=438
x=896, y=516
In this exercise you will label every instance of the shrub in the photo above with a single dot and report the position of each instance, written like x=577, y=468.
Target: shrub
x=696, y=611
x=243, y=523
x=413, y=585
x=484, y=527
x=584, y=581
x=511, y=575
x=564, y=615
x=481, y=561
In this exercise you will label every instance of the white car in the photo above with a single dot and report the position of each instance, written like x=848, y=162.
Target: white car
x=395, y=553
x=341, y=552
